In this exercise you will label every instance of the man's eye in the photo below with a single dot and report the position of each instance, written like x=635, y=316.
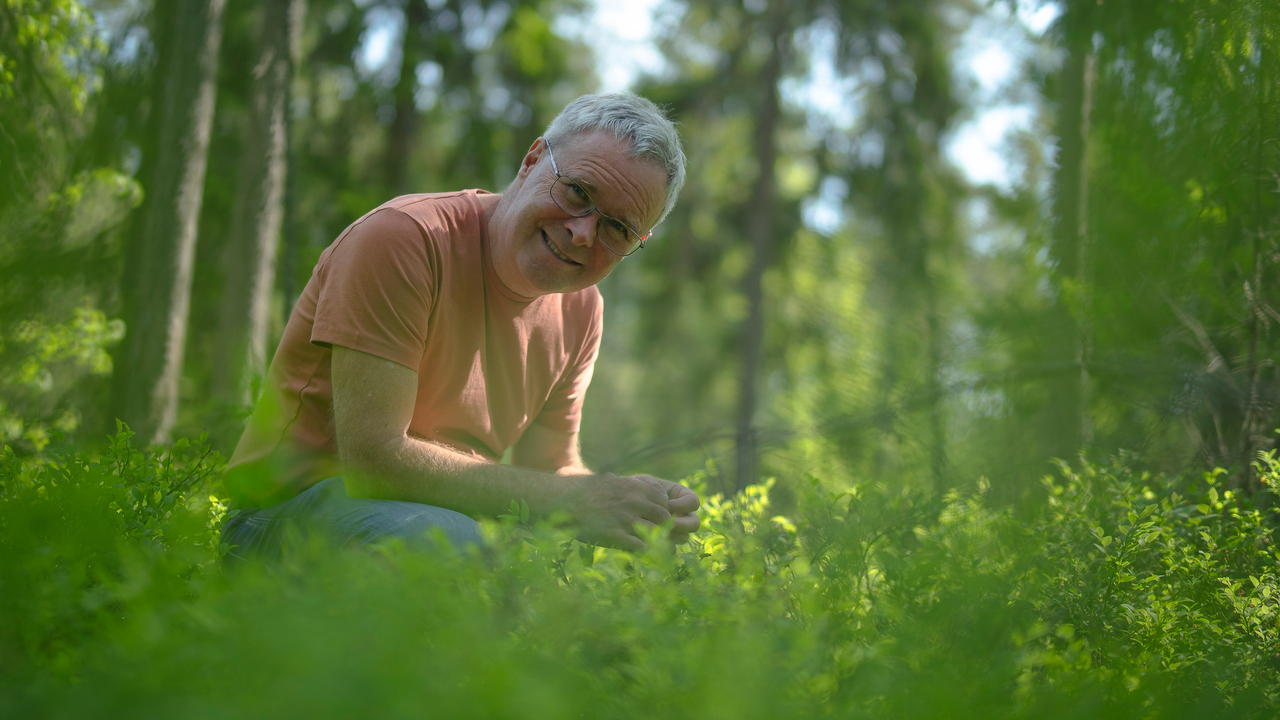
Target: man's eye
x=579, y=193
x=617, y=227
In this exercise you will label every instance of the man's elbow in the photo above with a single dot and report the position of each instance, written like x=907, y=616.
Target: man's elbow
x=366, y=467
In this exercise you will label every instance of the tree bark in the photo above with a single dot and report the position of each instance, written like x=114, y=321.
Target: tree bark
x=1255, y=429
x=160, y=261
x=760, y=231
x=1071, y=212
x=403, y=134
x=937, y=407
x=1084, y=329
x=250, y=254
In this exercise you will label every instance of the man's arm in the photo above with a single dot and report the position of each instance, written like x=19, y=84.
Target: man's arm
x=373, y=403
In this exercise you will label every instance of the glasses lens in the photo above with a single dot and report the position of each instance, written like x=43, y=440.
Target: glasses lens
x=616, y=236
x=571, y=198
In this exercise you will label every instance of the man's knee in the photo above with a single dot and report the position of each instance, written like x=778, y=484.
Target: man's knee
x=417, y=522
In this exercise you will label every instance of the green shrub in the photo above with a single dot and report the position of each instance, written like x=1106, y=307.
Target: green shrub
x=1161, y=580
x=1129, y=596
x=78, y=530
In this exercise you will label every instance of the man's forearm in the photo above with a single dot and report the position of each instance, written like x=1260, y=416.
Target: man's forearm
x=421, y=471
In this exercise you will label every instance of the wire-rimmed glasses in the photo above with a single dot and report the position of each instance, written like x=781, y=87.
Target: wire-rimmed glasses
x=568, y=195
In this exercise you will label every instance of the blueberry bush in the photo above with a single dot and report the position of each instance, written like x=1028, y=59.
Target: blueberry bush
x=1126, y=595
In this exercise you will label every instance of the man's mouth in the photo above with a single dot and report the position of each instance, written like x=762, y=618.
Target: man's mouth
x=556, y=250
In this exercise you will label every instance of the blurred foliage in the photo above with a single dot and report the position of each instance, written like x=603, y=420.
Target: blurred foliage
x=1172, y=289
x=1127, y=594
x=52, y=357
x=58, y=219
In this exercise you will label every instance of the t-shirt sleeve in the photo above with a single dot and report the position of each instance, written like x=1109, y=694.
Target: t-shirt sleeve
x=563, y=409
x=377, y=289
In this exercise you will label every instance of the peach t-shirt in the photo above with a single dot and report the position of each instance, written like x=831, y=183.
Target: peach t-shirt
x=412, y=282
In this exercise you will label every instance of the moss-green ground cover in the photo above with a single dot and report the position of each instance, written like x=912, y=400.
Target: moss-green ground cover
x=1125, y=596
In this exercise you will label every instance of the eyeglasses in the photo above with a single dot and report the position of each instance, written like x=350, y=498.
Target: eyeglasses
x=616, y=236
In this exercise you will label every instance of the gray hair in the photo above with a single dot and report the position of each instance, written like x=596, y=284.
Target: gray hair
x=632, y=119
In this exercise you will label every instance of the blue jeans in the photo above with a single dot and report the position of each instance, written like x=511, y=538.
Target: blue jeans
x=257, y=535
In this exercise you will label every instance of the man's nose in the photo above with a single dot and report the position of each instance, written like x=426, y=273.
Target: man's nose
x=582, y=230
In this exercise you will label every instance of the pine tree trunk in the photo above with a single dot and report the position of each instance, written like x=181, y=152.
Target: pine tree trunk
x=1073, y=426
x=157, y=291
x=937, y=406
x=760, y=231
x=1084, y=329
x=250, y=254
x=403, y=134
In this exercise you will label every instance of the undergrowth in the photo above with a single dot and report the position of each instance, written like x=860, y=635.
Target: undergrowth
x=1129, y=595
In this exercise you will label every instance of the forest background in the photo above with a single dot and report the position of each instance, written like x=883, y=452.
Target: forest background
x=832, y=295
x=863, y=357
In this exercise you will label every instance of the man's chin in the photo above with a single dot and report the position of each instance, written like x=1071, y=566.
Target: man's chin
x=546, y=280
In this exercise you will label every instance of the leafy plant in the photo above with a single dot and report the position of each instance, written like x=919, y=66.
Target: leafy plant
x=1127, y=595
x=78, y=531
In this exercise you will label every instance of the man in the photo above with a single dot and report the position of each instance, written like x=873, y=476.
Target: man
x=441, y=330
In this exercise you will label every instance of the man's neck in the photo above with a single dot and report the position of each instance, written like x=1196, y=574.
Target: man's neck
x=490, y=203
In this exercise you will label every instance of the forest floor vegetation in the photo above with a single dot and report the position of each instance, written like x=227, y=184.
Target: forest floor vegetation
x=1126, y=595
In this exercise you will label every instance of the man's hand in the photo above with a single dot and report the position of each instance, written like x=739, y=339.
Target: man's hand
x=542, y=448
x=682, y=503
x=608, y=508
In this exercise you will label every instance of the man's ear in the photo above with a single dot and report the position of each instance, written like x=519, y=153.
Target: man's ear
x=531, y=158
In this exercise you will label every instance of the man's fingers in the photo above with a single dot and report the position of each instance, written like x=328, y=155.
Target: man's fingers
x=680, y=499
x=685, y=524
x=685, y=502
x=652, y=489
x=653, y=514
x=630, y=543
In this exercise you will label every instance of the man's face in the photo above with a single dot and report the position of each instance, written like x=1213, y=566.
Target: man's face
x=538, y=248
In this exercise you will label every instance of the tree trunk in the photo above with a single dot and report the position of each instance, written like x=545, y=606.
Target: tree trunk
x=1072, y=422
x=760, y=231
x=937, y=407
x=403, y=133
x=160, y=261
x=250, y=254
x=1084, y=329
x=1259, y=411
